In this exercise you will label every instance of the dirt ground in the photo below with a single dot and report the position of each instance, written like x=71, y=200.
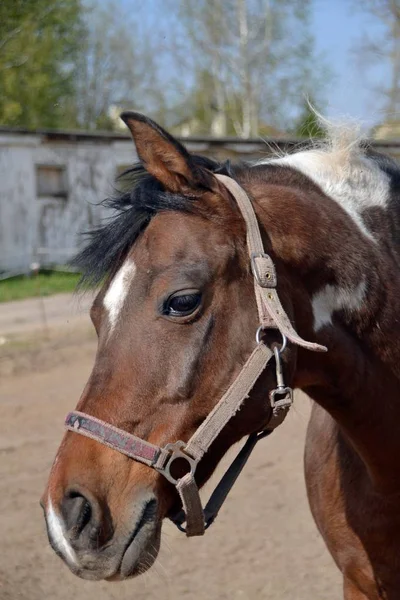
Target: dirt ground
x=264, y=545
x=42, y=314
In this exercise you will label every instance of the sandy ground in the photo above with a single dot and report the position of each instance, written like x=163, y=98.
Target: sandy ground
x=36, y=333
x=264, y=544
x=39, y=314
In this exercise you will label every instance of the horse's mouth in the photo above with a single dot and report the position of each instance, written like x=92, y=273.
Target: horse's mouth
x=121, y=560
x=143, y=545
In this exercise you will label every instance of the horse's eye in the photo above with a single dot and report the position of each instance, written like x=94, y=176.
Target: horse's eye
x=183, y=304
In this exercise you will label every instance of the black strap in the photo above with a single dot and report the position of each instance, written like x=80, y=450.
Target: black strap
x=226, y=483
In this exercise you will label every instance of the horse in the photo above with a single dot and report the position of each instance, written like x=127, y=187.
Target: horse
x=176, y=317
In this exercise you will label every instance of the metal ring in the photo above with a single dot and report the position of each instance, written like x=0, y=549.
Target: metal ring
x=284, y=343
x=176, y=450
x=258, y=334
x=259, y=340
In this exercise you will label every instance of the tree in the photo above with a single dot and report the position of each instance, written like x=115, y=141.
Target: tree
x=116, y=67
x=39, y=41
x=308, y=125
x=257, y=54
x=385, y=48
x=232, y=67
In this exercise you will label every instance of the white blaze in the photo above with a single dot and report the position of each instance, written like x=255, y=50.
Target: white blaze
x=118, y=291
x=57, y=534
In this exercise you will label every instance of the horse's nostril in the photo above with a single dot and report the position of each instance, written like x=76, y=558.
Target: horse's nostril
x=84, y=517
x=87, y=522
x=77, y=512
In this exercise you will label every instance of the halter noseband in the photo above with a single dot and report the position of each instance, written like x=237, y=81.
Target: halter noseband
x=271, y=316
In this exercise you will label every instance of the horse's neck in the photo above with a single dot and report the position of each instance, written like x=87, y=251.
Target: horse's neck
x=353, y=287
x=362, y=395
x=358, y=382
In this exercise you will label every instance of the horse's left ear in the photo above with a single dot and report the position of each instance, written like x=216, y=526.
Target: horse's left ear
x=164, y=157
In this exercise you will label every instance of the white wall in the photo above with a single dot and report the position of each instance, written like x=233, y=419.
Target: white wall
x=29, y=223
x=17, y=201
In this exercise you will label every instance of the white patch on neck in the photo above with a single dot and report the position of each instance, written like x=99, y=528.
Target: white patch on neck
x=57, y=535
x=332, y=298
x=350, y=178
x=118, y=290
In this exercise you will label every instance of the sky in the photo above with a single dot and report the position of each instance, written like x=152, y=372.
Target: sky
x=338, y=28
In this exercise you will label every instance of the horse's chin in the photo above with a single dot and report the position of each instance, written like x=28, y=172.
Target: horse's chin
x=139, y=553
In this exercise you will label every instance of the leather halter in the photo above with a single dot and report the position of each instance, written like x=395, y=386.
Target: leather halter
x=271, y=315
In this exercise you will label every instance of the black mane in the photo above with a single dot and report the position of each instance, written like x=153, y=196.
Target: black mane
x=140, y=198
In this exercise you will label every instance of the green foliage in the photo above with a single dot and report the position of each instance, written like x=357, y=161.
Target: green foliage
x=39, y=44
x=46, y=283
x=308, y=125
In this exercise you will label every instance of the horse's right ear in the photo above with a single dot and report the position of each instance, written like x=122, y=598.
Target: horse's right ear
x=163, y=156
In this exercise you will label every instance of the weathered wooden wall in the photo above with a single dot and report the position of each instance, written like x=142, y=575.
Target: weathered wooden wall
x=47, y=228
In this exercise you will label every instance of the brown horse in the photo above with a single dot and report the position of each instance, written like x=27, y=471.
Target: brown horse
x=176, y=317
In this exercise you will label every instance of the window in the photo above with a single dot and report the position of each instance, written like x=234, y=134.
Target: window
x=51, y=180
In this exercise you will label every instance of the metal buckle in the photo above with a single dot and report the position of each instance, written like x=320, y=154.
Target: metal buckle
x=176, y=451
x=283, y=403
x=286, y=393
x=254, y=268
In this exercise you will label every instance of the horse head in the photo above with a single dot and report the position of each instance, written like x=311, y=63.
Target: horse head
x=176, y=318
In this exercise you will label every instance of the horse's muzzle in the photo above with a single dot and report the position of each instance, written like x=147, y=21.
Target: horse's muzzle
x=81, y=532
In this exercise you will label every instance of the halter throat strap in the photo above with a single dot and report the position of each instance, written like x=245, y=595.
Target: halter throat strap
x=271, y=316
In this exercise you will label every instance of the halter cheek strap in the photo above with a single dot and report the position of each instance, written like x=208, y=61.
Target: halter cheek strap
x=270, y=311
x=271, y=315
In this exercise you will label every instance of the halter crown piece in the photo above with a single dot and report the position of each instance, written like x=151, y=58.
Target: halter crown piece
x=271, y=316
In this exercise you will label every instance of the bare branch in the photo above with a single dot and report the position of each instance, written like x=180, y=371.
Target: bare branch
x=9, y=36
x=15, y=64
